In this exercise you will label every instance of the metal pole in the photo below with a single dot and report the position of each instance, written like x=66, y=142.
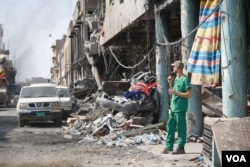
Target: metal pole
x=233, y=58
x=161, y=69
x=189, y=20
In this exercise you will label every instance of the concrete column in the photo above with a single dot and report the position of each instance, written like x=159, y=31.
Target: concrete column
x=189, y=20
x=161, y=65
x=233, y=58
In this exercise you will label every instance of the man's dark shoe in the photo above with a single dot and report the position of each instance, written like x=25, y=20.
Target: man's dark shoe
x=166, y=151
x=179, y=151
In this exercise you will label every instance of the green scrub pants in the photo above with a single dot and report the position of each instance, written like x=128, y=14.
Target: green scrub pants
x=176, y=121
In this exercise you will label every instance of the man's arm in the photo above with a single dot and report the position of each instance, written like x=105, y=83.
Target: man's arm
x=187, y=94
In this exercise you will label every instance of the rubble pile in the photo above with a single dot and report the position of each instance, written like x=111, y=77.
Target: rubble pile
x=94, y=123
x=112, y=118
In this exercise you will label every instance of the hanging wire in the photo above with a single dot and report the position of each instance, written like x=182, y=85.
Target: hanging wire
x=134, y=66
x=174, y=47
x=194, y=30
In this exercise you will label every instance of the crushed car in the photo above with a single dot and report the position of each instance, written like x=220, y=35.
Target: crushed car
x=84, y=87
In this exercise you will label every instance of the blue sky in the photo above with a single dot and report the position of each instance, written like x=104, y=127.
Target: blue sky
x=29, y=29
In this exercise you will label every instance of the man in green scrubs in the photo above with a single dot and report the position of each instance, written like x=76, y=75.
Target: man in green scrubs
x=180, y=90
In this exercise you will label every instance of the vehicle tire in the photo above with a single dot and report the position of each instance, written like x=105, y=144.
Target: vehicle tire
x=65, y=114
x=58, y=121
x=21, y=123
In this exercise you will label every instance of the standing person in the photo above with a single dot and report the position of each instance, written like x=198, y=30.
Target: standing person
x=180, y=90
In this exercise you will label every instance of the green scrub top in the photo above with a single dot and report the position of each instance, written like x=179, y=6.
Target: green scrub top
x=180, y=104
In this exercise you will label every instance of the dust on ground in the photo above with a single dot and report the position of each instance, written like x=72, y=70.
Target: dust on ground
x=43, y=144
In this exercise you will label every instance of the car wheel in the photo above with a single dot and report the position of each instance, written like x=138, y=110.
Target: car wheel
x=58, y=121
x=21, y=123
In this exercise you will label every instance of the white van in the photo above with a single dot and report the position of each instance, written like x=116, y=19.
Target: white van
x=39, y=102
x=65, y=99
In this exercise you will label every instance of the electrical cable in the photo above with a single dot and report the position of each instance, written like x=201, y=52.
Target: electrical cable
x=189, y=34
x=134, y=66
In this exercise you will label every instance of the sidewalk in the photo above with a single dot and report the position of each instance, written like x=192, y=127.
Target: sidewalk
x=193, y=151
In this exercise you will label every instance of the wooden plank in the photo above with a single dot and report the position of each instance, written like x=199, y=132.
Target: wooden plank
x=205, y=90
x=213, y=109
x=145, y=129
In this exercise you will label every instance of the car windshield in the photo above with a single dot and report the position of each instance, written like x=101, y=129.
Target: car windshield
x=34, y=92
x=63, y=91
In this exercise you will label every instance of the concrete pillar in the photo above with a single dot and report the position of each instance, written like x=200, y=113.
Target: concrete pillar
x=189, y=20
x=162, y=72
x=233, y=58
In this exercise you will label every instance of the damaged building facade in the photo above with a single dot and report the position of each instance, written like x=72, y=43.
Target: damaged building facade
x=8, y=87
x=111, y=43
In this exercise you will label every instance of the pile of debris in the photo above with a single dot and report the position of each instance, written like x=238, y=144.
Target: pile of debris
x=94, y=123
x=122, y=113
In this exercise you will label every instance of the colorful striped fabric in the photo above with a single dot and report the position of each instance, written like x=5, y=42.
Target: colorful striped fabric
x=204, y=59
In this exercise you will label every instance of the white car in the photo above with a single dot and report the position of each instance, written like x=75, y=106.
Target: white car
x=65, y=99
x=39, y=102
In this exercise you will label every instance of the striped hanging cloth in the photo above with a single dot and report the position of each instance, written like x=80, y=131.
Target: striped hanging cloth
x=204, y=59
